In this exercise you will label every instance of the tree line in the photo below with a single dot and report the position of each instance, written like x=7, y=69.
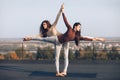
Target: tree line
x=49, y=53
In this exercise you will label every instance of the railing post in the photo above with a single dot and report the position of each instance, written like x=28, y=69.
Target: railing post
x=22, y=50
x=93, y=51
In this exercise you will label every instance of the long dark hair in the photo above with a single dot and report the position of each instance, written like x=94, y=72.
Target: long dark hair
x=77, y=33
x=44, y=31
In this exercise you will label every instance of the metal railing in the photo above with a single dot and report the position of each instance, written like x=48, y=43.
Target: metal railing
x=29, y=50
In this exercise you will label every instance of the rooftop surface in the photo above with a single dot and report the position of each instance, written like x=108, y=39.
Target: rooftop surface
x=45, y=70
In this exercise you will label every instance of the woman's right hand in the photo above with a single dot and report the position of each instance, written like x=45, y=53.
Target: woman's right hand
x=62, y=8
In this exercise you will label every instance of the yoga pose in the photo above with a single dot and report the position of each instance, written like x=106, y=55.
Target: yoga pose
x=72, y=34
x=47, y=30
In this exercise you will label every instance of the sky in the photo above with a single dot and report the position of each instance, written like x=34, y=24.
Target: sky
x=20, y=18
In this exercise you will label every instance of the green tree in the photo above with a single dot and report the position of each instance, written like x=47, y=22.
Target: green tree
x=77, y=54
x=45, y=53
x=71, y=55
x=113, y=54
x=89, y=53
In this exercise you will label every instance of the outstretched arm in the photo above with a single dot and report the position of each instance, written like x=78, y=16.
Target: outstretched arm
x=58, y=16
x=87, y=38
x=98, y=39
x=65, y=21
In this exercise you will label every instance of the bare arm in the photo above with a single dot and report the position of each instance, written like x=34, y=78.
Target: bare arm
x=57, y=17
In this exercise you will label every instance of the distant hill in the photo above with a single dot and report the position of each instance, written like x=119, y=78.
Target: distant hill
x=11, y=39
x=112, y=38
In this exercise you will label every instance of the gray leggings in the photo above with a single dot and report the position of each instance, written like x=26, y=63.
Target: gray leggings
x=52, y=39
x=58, y=46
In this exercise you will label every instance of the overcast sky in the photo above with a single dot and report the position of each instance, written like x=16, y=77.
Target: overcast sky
x=99, y=18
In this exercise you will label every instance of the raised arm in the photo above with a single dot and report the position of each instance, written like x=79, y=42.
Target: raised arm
x=58, y=16
x=65, y=21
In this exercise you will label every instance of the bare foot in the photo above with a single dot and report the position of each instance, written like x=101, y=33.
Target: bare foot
x=59, y=75
x=63, y=74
